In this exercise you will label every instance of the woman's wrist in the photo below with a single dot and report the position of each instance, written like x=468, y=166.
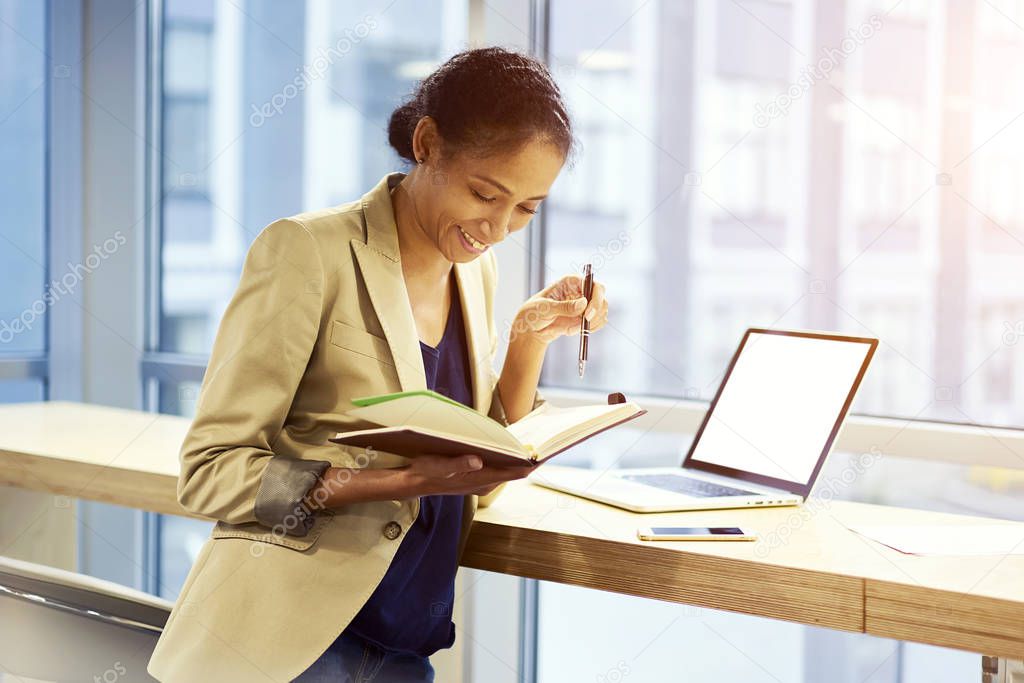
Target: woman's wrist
x=406, y=483
x=517, y=385
x=523, y=338
x=343, y=485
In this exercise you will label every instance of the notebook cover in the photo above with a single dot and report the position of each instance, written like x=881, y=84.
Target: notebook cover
x=384, y=398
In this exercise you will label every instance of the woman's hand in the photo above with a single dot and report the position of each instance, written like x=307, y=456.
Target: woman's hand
x=558, y=309
x=460, y=475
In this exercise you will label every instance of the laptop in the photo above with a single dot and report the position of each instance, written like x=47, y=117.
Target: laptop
x=764, y=438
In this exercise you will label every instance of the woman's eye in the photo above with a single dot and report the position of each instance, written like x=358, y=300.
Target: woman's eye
x=482, y=197
x=526, y=210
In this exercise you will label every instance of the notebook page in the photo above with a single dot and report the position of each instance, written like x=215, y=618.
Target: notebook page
x=549, y=424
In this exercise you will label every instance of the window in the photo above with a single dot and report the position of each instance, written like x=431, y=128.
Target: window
x=23, y=111
x=752, y=164
x=265, y=109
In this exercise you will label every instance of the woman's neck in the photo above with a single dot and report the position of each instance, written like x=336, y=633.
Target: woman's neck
x=422, y=262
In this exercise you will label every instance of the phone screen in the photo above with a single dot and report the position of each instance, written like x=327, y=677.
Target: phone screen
x=697, y=530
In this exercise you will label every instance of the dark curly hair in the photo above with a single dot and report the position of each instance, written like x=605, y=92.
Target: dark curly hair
x=483, y=101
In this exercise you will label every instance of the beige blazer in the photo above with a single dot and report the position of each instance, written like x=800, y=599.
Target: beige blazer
x=321, y=315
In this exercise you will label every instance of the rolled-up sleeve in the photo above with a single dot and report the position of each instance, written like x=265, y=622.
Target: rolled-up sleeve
x=229, y=470
x=283, y=485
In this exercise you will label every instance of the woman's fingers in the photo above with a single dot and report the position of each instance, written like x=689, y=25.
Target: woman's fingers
x=566, y=287
x=560, y=309
x=597, y=303
x=444, y=466
x=543, y=311
x=458, y=475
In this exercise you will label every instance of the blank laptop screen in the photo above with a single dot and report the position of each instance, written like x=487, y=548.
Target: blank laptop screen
x=779, y=405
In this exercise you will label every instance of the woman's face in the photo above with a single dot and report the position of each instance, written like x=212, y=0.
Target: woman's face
x=464, y=205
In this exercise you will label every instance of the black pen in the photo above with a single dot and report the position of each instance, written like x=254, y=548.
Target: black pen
x=588, y=287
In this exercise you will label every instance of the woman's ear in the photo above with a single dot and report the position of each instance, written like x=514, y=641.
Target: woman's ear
x=426, y=141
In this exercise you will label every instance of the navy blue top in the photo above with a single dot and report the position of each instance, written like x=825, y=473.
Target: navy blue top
x=411, y=608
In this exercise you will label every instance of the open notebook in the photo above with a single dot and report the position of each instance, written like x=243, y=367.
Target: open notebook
x=420, y=422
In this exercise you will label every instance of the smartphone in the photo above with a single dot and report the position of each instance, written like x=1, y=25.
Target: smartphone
x=694, y=533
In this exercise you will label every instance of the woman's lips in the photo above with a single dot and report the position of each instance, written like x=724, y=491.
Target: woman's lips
x=466, y=243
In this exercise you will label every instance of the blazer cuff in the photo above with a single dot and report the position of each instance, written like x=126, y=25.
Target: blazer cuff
x=279, y=499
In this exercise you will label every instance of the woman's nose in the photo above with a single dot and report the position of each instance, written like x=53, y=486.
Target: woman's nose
x=499, y=227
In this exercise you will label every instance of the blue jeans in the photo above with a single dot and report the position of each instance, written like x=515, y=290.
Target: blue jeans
x=353, y=660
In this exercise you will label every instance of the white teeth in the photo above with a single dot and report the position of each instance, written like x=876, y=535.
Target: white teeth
x=469, y=238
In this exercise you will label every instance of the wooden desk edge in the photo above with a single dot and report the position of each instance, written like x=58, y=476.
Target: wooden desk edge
x=799, y=595
x=106, y=484
x=944, y=618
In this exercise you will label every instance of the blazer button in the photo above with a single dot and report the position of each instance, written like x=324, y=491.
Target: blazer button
x=392, y=530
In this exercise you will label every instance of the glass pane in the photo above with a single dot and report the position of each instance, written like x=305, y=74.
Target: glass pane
x=730, y=179
x=178, y=398
x=22, y=175
x=642, y=640
x=22, y=391
x=179, y=538
x=270, y=109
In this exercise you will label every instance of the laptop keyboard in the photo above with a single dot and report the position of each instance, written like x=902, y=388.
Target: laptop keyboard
x=686, y=485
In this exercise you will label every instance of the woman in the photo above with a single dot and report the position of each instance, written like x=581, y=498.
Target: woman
x=332, y=563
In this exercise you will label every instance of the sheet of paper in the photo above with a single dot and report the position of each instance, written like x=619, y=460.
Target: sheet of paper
x=947, y=539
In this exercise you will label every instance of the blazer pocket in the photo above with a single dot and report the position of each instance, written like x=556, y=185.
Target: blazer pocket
x=360, y=341
x=254, y=531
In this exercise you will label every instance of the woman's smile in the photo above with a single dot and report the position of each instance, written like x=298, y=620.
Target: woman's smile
x=470, y=243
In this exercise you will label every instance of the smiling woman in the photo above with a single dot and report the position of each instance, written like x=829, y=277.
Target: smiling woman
x=390, y=292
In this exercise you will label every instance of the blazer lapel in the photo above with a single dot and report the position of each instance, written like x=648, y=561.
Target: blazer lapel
x=380, y=264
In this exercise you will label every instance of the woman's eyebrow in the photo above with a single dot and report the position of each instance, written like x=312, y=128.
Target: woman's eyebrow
x=505, y=189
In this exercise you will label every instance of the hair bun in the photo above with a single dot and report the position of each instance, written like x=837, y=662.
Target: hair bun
x=400, y=129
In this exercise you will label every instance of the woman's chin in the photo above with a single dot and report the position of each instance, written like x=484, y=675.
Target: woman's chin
x=464, y=257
